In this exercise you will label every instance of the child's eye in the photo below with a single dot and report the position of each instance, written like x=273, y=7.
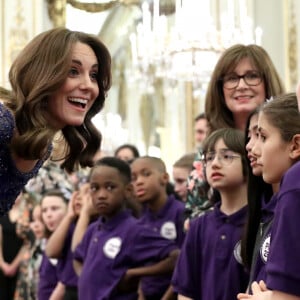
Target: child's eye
x=227, y=157
x=146, y=173
x=262, y=137
x=93, y=188
x=210, y=157
x=110, y=187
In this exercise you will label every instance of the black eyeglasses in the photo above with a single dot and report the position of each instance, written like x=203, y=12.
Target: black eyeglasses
x=231, y=80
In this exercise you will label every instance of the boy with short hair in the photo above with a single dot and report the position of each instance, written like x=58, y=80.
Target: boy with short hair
x=116, y=251
x=162, y=213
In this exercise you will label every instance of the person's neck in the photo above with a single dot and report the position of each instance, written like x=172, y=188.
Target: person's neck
x=275, y=187
x=240, y=121
x=233, y=199
x=157, y=203
x=106, y=218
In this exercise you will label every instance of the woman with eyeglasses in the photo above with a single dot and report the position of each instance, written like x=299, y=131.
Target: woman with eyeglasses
x=209, y=265
x=243, y=78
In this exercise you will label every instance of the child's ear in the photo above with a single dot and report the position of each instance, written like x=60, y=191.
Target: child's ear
x=295, y=147
x=164, y=178
x=129, y=191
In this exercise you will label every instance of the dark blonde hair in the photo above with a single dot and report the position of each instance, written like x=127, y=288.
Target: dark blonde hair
x=216, y=111
x=186, y=161
x=283, y=113
x=38, y=72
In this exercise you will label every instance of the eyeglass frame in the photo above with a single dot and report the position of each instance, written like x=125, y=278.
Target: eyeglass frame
x=220, y=159
x=239, y=77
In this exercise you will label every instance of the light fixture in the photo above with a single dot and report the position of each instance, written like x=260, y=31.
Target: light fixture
x=186, y=45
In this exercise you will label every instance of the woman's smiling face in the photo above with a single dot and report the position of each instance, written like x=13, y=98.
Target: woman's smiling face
x=70, y=104
x=244, y=98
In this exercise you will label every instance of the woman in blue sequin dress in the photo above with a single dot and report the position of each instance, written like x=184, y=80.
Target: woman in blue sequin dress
x=59, y=82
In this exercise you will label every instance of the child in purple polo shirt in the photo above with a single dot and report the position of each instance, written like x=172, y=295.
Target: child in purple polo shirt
x=162, y=213
x=53, y=207
x=116, y=251
x=59, y=244
x=279, y=132
x=261, y=204
x=209, y=266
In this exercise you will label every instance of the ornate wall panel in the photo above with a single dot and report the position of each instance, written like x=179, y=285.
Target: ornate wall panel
x=20, y=22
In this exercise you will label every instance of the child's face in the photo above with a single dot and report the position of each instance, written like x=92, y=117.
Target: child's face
x=252, y=147
x=53, y=210
x=224, y=168
x=125, y=154
x=180, y=176
x=79, y=196
x=37, y=225
x=108, y=190
x=148, y=182
x=275, y=151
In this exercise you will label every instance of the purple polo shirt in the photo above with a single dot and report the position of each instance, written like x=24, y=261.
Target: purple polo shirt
x=209, y=266
x=259, y=266
x=66, y=273
x=109, y=249
x=283, y=266
x=48, y=278
x=168, y=222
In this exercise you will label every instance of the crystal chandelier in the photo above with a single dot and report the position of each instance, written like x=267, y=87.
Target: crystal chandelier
x=186, y=45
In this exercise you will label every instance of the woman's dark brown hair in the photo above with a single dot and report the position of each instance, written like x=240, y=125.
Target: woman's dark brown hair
x=37, y=73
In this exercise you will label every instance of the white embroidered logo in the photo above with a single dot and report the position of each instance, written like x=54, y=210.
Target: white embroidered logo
x=265, y=248
x=112, y=247
x=237, y=252
x=168, y=231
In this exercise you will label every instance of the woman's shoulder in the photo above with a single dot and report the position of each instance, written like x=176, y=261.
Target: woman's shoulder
x=7, y=124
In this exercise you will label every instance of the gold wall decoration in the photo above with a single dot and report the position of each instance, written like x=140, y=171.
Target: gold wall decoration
x=18, y=34
x=292, y=45
x=57, y=8
x=57, y=12
x=93, y=7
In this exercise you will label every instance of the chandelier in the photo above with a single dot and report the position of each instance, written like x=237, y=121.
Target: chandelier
x=186, y=45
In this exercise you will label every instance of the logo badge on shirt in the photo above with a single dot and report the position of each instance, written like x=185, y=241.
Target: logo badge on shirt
x=265, y=248
x=112, y=247
x=168, y=231
x=237, y=252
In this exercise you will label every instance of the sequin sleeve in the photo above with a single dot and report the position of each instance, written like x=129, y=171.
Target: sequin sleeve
x=12, y=181
x=6, y=124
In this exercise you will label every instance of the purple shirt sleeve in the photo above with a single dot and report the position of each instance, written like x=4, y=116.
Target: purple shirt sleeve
x=283, y=265
x=185, y=272
x=81, y=250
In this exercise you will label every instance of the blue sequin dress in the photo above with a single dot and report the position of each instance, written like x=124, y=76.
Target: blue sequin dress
x=12, y=180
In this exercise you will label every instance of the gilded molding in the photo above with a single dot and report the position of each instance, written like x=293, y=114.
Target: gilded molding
x=57, y=8
x=292, y=45
x=57, y=12
x=18, y=33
